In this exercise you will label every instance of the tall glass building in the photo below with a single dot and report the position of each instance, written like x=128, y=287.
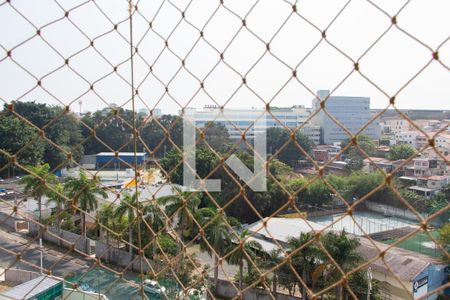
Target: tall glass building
x=352, y=112
x=251, y=120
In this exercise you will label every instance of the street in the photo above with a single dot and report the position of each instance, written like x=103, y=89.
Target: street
x=59, y=263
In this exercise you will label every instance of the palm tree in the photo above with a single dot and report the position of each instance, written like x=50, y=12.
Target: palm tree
x=106, y=218
x=272, y=259
x=216, y=238
x=155, y=219
x=183, y=204
x=57, y=196
x=34, y=184
x=247, y=252
x=153, y=216
x=128, y=206
x=342, y=249
x=304, y=260
x=83, y=192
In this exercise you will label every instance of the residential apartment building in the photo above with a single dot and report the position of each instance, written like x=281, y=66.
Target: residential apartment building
x=373, y=164
x=324, y=153
x=424, y=167
x=442, y=142
x=352, y=112
x=254, y=120
x=419, y=140
x=396, y=125
x=408, y=137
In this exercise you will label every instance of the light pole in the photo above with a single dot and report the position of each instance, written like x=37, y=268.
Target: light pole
x=369, y=284
x=42, y=255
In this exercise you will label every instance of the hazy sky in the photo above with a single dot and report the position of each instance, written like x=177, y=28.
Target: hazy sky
x=390, y=64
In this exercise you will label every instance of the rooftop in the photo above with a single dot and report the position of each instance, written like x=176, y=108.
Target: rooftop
x=420, y=188
x=282, y=229
x=377, y=160
x=437, y=177
x=29, y=289
x=406, y=264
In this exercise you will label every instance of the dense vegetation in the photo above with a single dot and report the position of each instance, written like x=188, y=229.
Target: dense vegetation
x=198, y=218
x=109, y=129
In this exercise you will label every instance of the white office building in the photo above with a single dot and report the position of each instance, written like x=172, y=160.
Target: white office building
x=253, y=120
x=352, y=112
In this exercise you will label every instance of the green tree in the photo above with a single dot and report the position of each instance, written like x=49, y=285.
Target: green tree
x=419, y=202
x=305, y=258
x=66, y=133
x=172, y=164
x=435, y=204
x=265, y=202
x=183, y=205
x=83, y=192
x=216, y=135
x=106, y=218
x=343, y=249
x=168, y=245
x=270, y=260
x=16, y=135
x=111, y=127
x=315, y=194
x=444, y=240
x=278, y=137
x=153, y=218
x=161, y=134
x=36, y=187
x=446, y=191
x=287, y=279
x=360, y=184
x=248, y=251
x=60, y=126
x=403, y=151
x=216, y=238
x=353, y=153
x=359, y=284
x=58, y=197
x=129, y=205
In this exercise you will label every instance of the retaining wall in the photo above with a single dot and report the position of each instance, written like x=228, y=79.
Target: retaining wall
x=226, y=289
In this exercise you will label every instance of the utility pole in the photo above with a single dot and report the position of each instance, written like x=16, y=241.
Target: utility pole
x=369, y=284
x=80, y=103
x=42, y=255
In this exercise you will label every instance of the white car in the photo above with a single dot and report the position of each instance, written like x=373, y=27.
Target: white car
x=153, y=286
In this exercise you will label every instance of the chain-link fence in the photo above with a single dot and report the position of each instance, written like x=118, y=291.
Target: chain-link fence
x=100, y=200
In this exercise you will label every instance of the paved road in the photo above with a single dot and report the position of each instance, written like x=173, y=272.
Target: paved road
x=55, y=260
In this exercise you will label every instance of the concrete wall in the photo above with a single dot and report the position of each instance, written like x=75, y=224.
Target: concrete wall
x=392, y=211
x=81, y=244
x=70, y=294
x=17, y=276
x=119, y=257
x=115, y=255
x=225, y=289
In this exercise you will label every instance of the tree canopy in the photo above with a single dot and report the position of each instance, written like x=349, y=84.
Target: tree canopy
x=403, y=151
x=278, y=137
x=59, y=126
x=354, y=154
